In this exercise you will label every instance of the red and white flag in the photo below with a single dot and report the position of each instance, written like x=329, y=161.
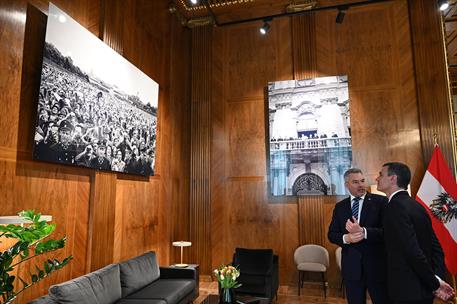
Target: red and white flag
x=437, y=193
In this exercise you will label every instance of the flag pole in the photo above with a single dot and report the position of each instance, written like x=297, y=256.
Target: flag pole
x=454, y=300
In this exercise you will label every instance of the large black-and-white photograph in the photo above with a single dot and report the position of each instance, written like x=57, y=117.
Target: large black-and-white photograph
x=309, y=136
x=95, y=109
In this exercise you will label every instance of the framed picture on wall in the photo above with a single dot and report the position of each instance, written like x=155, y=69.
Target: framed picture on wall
x=309, y=136
x=95, y=108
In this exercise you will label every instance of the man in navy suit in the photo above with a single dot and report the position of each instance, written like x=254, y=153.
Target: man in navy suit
x=356, y=226
x=415, y=260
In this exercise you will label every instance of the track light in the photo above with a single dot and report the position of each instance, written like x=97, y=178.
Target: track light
x=265, y=27
x=341, y=13
x=443, y=4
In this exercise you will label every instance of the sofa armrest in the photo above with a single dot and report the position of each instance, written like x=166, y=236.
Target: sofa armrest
x=178, y=273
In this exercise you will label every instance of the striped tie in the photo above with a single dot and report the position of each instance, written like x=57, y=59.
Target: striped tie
x=355, y=207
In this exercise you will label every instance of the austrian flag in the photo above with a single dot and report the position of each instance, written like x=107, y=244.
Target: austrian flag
x=438, y=194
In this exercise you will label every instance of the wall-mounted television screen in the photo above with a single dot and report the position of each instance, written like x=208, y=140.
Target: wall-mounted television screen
x=95, y=109
x=309, y=136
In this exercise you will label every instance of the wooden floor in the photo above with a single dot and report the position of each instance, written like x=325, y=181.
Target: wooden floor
x=287, y=295
x=310, y=294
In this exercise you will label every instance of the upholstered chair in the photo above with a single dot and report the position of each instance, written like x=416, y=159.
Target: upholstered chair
x=338, y=263
x=259, y=272
x=311, y=258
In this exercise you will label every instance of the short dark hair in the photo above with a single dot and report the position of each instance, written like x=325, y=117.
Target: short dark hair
x=401, y=171
x=351, y=171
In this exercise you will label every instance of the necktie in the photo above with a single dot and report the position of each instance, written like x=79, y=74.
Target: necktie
x=355, y=207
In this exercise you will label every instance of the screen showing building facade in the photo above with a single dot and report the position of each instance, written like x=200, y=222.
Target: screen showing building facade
x=309, y=136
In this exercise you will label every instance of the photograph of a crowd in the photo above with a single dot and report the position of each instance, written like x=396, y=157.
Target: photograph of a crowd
x=95, y=109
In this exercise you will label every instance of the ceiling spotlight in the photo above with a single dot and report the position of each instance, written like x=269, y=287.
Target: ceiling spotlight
x=194, y=2
x=341, y=14
x=443, y=4
x=265, y=27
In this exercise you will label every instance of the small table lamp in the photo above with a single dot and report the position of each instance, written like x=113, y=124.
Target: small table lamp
x=181, y=244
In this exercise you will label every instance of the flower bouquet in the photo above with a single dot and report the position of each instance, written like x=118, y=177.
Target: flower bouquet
x=226, y=275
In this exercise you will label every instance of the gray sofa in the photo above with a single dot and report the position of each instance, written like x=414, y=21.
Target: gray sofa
x=136, y=281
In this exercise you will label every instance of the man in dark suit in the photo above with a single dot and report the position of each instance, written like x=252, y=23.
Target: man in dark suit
x=356, y=226
x=415, y=260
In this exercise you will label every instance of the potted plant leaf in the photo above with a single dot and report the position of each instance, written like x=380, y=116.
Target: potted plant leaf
x=31, y=242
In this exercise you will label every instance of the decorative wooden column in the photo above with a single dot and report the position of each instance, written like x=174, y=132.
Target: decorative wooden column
x=102, y=209
x=311, y=220
x=304, y=46
x=433, y=96
x=310, y=208
x=200, y=204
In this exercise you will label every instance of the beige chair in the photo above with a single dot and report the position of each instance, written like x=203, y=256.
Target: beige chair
x=338, y=263
x=311, y=258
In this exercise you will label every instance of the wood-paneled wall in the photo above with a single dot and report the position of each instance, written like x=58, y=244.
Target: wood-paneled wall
x=373, y=46
x=106, y=217
x=436, y=119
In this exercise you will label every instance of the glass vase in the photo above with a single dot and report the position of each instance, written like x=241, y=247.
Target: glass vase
x=227, y=296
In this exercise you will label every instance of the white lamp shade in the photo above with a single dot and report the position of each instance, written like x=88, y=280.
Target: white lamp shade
x=182, y=244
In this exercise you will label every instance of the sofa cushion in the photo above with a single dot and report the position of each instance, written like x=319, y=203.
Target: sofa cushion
x=138, y=272
x=99, y=287
x=141, y=301
x=172, y=290
x=43, y=300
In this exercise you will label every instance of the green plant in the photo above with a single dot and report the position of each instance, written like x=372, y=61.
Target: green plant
x=30, y=244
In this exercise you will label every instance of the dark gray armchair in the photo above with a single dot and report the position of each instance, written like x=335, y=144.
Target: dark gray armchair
x=259, y=272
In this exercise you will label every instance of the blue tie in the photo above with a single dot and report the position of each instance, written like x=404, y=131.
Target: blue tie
x=355, y=207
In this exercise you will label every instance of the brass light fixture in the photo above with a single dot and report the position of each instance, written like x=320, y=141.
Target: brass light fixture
x=202, y=21
x=301, y=6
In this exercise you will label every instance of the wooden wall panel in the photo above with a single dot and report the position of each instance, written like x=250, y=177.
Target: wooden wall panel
x=180, y=85
x=375, y=57
x=200, y=148
x=433, y=94
x=246, y=135
x=102, y=217
x=310, y=219
x=139, y=216
x=304, y=46
x=112, y=25
x=124, y=215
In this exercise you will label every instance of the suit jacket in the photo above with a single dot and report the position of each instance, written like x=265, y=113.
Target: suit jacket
x=367, y=256
x=414, y=254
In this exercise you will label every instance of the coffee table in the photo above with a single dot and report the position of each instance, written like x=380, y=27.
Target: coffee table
x=214, y=299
